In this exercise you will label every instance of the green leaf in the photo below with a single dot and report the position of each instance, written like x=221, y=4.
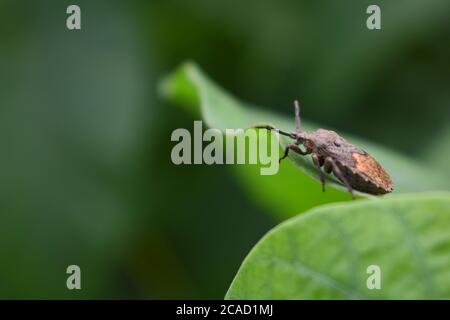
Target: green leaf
x=290, y=191
x=325, y=253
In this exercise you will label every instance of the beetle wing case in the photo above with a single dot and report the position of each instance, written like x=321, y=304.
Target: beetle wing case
x=361, y=170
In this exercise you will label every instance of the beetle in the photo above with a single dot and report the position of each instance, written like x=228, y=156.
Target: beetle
x=354, y=167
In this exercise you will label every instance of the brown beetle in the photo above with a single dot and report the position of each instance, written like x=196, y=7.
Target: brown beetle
x=350, y=164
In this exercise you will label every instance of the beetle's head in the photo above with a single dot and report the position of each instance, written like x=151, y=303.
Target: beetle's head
x=322, y=138
x=305, y=138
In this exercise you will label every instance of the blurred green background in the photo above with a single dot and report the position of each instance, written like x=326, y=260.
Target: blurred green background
x=85, y=170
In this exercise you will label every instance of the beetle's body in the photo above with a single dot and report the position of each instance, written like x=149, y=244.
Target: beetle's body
x=350, y=164
x=362, y=171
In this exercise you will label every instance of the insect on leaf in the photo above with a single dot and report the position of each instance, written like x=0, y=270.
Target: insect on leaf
x=289, y=191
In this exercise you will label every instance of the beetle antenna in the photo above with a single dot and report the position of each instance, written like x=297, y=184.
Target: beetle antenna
x=284, y=133
x=297, y=116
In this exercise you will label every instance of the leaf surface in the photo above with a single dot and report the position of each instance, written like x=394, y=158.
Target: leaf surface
x=325, y=253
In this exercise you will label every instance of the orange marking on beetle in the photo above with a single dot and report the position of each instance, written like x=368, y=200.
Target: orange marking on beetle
x=373, y=170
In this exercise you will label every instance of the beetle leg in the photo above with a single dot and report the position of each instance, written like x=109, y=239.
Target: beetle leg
x=328, y=167
x=293, y=147
x=318, y=162
x=337, y=172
